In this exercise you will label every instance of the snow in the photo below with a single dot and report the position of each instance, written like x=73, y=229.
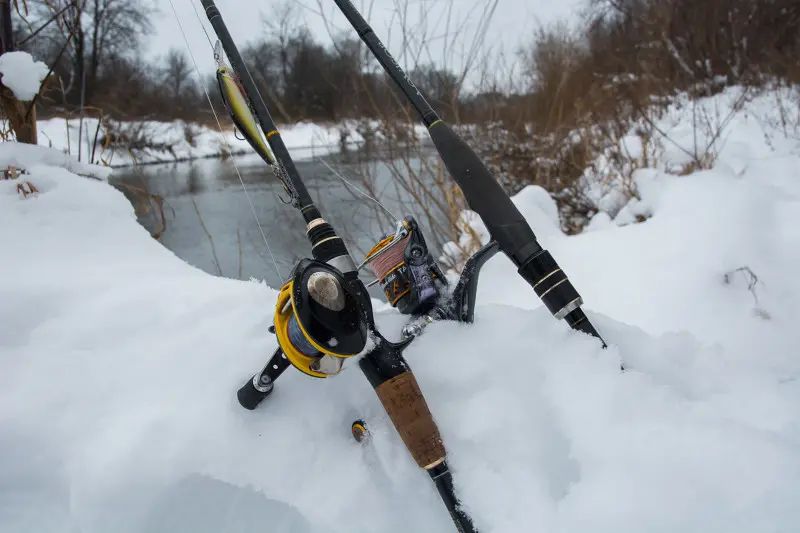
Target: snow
x=22, y=74
x=738, y=213
x=121, y=363
x=26, y=155
x=181, y=141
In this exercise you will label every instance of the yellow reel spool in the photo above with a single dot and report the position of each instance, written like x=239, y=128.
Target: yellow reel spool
x=283, y=313
x=284, y=310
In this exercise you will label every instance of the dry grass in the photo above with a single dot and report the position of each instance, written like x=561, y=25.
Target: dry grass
x=24, y=187
x=584, y=91
x=587, y=88
x=145, y=202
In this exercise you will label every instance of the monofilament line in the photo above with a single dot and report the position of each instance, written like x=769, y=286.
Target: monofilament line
x=350, y=184
x=221, y=131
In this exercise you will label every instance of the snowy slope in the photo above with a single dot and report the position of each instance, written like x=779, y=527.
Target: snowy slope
x=120, y=365
x=668, y=274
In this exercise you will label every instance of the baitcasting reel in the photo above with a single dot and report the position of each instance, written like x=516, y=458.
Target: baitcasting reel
x=319, y=321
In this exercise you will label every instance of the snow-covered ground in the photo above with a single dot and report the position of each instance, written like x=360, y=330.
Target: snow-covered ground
x=120, y=365
x=178, y=140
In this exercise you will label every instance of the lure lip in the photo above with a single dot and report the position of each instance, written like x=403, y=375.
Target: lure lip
x=219, y=56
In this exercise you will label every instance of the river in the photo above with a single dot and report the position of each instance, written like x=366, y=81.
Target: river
x=211, y=225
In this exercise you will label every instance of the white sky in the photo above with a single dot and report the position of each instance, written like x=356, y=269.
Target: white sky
x=513, y=23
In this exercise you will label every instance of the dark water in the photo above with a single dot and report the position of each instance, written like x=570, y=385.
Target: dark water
x=210, y=223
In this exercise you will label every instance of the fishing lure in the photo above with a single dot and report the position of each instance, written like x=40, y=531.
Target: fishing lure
x=238, y=106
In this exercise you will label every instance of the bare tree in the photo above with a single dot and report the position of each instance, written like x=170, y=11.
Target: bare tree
x=177, y=72
x=97, y=30
x=284, y=24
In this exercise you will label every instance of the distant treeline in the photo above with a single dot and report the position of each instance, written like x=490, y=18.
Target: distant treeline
x=628, y=50
x=95, y=50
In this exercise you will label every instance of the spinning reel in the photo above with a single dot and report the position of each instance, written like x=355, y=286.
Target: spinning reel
x=321, y=319
x=410, y=277
x=413, y=282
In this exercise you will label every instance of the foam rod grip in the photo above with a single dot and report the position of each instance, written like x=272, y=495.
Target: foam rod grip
x=483, y=193
x=403, y=401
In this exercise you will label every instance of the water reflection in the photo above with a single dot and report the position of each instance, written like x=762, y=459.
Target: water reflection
x=210, y=219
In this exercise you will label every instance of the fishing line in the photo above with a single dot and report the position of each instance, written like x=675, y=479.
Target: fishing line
x=200, y=19
x=221, y=131
x=348, y=183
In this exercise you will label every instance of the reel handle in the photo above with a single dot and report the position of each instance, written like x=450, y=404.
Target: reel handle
x=261, y=385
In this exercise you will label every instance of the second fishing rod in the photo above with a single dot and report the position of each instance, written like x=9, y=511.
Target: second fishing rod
x=483, y=193
x=324, y=312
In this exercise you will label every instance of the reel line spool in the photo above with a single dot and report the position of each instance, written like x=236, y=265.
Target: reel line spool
x=318, y=322
x=386, y=257
x=410, y=277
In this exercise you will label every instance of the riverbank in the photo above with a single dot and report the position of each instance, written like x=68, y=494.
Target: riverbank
x=122, y=144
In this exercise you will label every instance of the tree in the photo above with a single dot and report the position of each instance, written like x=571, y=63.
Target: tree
x=439, y=86
x=177, y=72
x=96, y=31
x=21, y=116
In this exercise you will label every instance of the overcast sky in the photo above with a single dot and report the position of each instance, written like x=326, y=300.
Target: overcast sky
x=513, y=21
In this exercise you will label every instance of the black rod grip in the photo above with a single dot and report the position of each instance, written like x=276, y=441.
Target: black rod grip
x=262, y=384
x=249, y=396
x=484, y=195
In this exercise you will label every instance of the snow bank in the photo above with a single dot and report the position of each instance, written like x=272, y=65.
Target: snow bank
x=729, y=132
x=146, y=142
x=158, y=142
x=22, y=74
x=668, y=274
x=27, y=155
x=121, y=362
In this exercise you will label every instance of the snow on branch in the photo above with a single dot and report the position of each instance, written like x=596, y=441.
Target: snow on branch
x=22, y=74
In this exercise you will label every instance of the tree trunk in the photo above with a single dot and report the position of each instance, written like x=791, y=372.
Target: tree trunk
x=22, y=122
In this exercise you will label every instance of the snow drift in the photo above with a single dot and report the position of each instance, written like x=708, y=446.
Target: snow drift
x=120, y=365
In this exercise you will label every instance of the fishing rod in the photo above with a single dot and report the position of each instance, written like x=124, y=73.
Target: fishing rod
x=324, y=314
x=483, y=193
